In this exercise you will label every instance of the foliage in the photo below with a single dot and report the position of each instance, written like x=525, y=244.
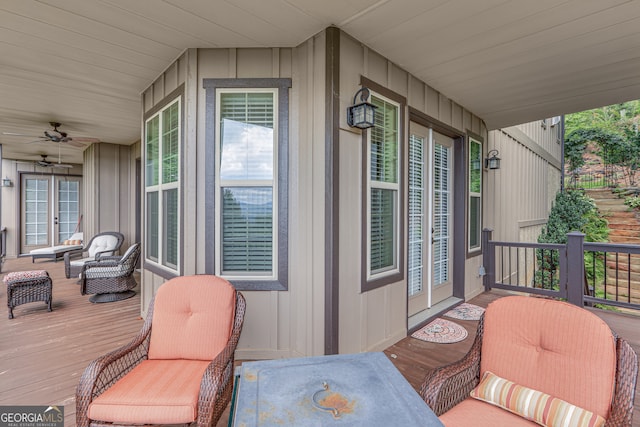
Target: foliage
x=604, y=118
x=614, y=129
x=632, y=202
x=571, y=211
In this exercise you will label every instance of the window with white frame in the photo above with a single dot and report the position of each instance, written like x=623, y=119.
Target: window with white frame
x=247, y=146
x=247, y=183
x=475, y=195
x=383, y=190
x=162, y=185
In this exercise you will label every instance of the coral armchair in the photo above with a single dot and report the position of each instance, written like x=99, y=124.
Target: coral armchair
x=178, y=369
x=565, y=357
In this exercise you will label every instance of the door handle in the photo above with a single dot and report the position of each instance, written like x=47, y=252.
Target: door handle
x=433, y=232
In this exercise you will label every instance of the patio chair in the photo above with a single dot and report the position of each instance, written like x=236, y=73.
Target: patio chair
x=71, y=246
x=110, y=278
x=178, y=369
x=563, y=357
x=105, y=243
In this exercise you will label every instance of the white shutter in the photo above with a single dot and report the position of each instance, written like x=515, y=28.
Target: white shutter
x=416, y=214
x=441, y=216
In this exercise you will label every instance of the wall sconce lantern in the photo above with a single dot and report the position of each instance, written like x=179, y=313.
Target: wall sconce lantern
x=361, y=115
x=6, y=182
x=492, y=161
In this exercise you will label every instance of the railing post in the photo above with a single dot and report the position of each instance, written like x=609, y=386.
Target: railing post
x=488, y=259
x=575, y=268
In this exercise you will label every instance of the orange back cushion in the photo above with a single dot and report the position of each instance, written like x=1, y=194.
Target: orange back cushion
x=192, y=318
x=553, y=347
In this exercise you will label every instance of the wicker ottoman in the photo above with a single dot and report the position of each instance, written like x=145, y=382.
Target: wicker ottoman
x=27, y=286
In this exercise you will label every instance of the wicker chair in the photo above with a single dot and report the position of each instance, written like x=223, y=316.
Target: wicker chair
x=557, y=327
x=205, y=338
x=110, y=278
x=105, y=243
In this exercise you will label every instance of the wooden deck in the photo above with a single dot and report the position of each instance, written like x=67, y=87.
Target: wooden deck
x=42, y=354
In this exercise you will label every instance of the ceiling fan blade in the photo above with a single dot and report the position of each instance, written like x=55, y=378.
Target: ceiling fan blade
x=20, y=134
x=61, y=165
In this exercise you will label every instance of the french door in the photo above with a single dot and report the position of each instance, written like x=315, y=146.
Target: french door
x=50, y=209
x=430, y=178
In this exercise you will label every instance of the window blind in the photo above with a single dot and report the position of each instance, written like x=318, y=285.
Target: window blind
x=441, y=220
x=416, y=215
x=247, y=177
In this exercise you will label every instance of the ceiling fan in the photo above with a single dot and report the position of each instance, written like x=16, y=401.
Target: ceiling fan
x=44, y=163
x=58, y=136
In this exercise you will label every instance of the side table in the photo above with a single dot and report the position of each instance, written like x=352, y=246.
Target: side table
x=343, y=390
x=27, y=286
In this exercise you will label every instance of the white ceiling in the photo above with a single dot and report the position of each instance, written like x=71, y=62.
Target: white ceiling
x=84, y=63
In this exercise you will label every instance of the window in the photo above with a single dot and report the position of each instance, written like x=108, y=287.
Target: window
x=247, y=197
x=383, y=191
x=475, y=195
x=246, y=183
x=162, y=185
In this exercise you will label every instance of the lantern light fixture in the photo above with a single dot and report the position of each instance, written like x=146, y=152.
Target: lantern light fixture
x=6, y=182
x=361, y=115
x=492, y=161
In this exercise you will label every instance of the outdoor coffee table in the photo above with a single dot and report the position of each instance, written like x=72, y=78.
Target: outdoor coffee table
x=342, y=390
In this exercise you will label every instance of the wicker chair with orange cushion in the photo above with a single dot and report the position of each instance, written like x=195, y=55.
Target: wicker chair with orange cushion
x=178, y=369
x=537, y=361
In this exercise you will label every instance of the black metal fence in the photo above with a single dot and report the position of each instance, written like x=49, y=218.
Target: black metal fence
x=580, y=272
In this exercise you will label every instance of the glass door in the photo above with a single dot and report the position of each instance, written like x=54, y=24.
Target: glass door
x=50, y=210
x=430, y=218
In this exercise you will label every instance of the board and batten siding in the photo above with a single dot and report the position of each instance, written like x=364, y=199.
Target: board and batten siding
x=373, y=320
x=292, y=323
x=519, y=195
x=277, y=323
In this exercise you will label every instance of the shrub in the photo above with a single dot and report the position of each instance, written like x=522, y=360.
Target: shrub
x=633, y=202
x=572, y=211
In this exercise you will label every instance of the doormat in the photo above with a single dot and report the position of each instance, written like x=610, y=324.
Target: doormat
x=465, y=311
x=441, y=331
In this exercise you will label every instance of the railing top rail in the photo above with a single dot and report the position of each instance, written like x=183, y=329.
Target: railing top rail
x=528, y=245
x=612, y=247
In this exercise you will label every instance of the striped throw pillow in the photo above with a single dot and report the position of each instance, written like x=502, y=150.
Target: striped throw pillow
x=533, y=405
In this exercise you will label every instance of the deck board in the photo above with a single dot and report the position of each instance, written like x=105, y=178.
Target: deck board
x=42, y=354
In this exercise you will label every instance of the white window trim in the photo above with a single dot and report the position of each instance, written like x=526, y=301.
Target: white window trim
x=160, y=188
x=385, y=186
x=273, y=183
x=470, y=194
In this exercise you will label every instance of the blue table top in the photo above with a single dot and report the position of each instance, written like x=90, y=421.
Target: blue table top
x=342, y=390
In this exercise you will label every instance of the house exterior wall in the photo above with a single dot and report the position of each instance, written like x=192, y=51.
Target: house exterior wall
x=109, y=191
x=375, y=319
x=278, y=323
x=289, y=323
x=520, y=194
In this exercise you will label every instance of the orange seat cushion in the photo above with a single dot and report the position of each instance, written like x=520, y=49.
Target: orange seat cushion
x=193, y=325
x=553, y=347
x=154, y=392
x=471, y=412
